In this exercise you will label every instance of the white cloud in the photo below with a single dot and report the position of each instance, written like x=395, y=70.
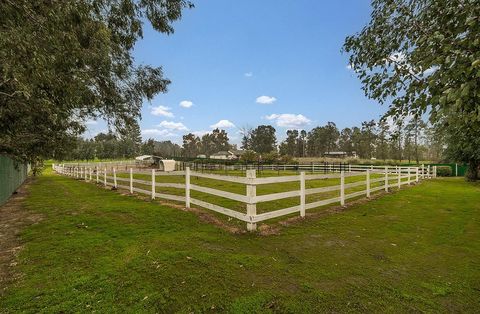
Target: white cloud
x=248, y=74
x=162, y=111
x=200, y=133
x=157, y=132
x=173, y=125
x=186, y=104
x=223, y=124
x=266, y=100
x=91, y=122
x=289, y=120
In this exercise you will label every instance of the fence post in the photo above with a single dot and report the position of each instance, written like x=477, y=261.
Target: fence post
x=416, y=175
x=349, y=167
x=115, y=177
x=368, y=182
x=153, y=184
x=456, y=169
x=422, y=176
x=434, y=171
x=85, y=173
x=187, y=187
x=428, y=172
x=105, y=177
x=386, y=179
x=251, y=206
x=90, y=172
x=96, y=173
x=408, y=180
x=131, y=181
x=342, y=188
x=302, y=194
x=399, y=177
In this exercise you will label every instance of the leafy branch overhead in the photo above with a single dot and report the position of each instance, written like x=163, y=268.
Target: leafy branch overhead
x=63, y=62
x=423, y=56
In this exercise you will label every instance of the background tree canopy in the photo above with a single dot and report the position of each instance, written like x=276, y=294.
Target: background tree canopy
x=63, y=62
x=423, y=56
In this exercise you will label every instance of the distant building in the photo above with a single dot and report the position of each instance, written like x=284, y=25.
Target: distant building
x=228, y=155
x=201, y=156
x=158, y=162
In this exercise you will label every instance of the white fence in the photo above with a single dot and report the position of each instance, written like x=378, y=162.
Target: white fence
x=370, y=174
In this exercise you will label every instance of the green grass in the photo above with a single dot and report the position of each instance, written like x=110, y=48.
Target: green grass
x=95, y=250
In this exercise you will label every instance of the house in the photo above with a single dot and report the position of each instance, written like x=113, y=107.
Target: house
x=228, y=155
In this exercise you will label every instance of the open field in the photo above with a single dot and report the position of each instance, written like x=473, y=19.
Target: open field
x=96, y=250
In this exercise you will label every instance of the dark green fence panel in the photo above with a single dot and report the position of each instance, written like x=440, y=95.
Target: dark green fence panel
x=462, y=168
x=12, y=175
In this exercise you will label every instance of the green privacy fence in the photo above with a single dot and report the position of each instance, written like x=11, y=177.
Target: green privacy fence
x=12, y=175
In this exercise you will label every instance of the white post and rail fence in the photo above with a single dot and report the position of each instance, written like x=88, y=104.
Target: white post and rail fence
x=368, y=179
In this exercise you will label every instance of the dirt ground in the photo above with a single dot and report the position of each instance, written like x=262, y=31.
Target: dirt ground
x=13, y=219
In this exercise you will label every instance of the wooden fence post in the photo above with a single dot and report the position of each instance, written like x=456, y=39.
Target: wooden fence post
x=187, y=187
x=428, y=172
x=456, y=169
x=85, y=173
x=422, y=175
x=399, y=177
x=408, y=180
x=416, y=175
x=131, y=181
x=386, y=179
x=434, y=171
x=153, y=184
x=342, y=188
x=105, y=177
x=302, y=194
x=349, y=167
x=368, y=182
x=96, y=173
x=251, y=206
x=90, y=172
x=115, y=177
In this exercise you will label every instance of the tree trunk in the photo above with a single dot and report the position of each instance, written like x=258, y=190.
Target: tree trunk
x=472, y=171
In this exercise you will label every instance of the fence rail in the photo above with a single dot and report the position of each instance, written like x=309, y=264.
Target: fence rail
x=388, y=177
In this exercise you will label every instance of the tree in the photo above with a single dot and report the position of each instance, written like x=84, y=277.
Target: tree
x=382, y=139
x=246, y=132
x=345, y=143
x=191, y=145
x=289, y=145
x=423, y=56
x=63, y=62
x=414, y=130
x=214, y=142
x=263, y=139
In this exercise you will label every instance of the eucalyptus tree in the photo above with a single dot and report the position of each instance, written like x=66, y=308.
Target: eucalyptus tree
x=423, y=56
x=64, y=62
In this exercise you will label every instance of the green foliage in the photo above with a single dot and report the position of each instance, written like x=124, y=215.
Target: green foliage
x=444, y=171
x=263, y=139
x=249, y=157
x=63, y=62
x=422, y=56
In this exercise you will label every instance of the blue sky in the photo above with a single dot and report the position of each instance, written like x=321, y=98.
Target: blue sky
x=245, y=63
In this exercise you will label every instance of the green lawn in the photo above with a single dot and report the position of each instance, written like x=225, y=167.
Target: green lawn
x=97, y=250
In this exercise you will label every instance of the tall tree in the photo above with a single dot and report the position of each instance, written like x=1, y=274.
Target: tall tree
x=289, y=145
x=263, y=139
x=423, y=56
x=191, y=145
x=63, y=62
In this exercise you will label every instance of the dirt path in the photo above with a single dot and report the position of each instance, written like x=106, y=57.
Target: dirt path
x=13, y=219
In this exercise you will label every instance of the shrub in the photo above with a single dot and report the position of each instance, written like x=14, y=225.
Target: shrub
x=444, y=171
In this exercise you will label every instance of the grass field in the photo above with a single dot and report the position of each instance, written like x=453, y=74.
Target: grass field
x=95, y=250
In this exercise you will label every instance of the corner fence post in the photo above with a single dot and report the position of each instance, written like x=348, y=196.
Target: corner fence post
x=115, y=178
x=153, y=184
x=187, y=187
x=105, y=177
x=302, y=194
x=386, y=179
x=251, y=205
x=131, y=181
x=368, y=182
x=342, y=188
